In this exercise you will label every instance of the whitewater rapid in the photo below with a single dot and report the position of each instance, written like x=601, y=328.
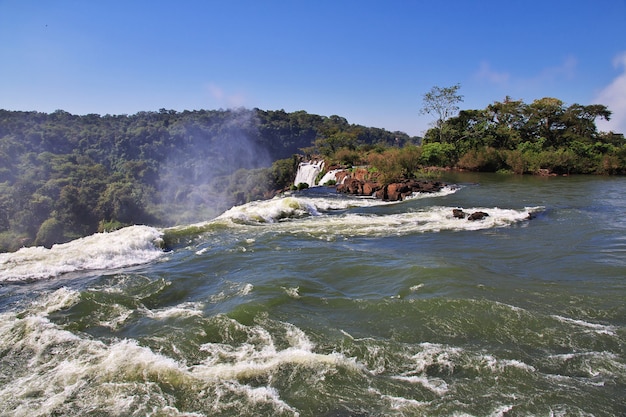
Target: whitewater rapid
x=320, y=304
x=129, y=246
x=326, y=217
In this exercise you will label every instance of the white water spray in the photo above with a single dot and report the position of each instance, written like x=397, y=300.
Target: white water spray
x=331, y=176
x=308, y=172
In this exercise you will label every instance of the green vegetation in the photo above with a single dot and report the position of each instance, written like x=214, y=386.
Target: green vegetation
x=63, y=176
x=542, y=137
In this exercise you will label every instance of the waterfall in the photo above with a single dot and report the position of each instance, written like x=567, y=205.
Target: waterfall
x=330, y=176
x=307, y=172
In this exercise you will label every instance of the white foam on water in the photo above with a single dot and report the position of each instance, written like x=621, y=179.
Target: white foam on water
x=431, y=219
x=293, y=207
x=189, y=309
x=293, y=292
x=592, y=327
x=500, y=411
x=250, y=362
x=64, y=373
x=401, y=403
x=173, y=412
x=259, y=355
x=258, y=395
x=129, y=246
x=499, y=365
x=269, y=211
x=596, y=366
x=68, y=370
x=436, y=385
x=119, y=314
x=446, y=190
x=55, y=301
x=234, y=289
x=398, y=403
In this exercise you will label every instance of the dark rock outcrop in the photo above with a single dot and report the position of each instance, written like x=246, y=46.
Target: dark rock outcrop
x=477, y=215
x=396, y=191
x=458, y=213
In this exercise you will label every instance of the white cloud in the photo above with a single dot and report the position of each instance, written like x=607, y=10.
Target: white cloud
x=537, y=82
x=567, y=69
x=614, y=97
x=485, y=72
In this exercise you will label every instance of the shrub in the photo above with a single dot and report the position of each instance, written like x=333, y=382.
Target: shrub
x=347, y=156
x=438, y=154
x=50, y=232
x=386, y=164
x=515, y=161
x=483, y=159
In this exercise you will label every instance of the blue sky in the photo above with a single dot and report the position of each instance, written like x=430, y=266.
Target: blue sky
x=368, y=61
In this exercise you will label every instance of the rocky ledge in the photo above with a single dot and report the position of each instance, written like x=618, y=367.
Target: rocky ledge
x=396, y=191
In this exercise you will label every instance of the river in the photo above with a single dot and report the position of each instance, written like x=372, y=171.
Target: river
x=319, y=304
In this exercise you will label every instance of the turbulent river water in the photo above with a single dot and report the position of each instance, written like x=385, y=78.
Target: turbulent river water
x=316, y=304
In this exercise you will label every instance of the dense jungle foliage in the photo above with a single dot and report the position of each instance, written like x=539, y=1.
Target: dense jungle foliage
x=542, y=137
x=64, y=176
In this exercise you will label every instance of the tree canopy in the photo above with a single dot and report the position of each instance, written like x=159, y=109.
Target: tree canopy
x=63, y=176
x=442, y=102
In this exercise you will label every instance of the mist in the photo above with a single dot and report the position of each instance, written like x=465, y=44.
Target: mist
x=195, y=180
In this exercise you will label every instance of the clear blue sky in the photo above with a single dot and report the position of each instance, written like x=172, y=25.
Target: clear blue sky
x=368, y=61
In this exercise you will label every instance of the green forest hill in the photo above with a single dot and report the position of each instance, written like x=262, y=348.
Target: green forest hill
x=64, y=176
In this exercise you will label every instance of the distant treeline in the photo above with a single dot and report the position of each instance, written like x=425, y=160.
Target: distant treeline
x=64, y=176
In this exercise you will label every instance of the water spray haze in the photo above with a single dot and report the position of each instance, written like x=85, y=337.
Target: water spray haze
x=196, y=181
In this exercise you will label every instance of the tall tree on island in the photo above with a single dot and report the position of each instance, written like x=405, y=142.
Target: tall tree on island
x=442, y=103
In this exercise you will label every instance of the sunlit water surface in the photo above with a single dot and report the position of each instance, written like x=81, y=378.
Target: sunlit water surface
x=321, y=305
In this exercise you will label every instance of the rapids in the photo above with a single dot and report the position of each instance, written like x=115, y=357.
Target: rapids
x=318, y=304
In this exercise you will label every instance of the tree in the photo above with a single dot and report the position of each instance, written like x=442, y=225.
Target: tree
x=545, y=120
x=442, y=103
x=580, y=121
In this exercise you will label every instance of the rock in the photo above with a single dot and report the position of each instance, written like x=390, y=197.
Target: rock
x=341, y=176
x=396, y=191
x=369, y=188
x=458, y=213
x=477, y=215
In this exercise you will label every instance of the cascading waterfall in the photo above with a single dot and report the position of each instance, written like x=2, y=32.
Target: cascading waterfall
x=308, y=171
x=330, y=176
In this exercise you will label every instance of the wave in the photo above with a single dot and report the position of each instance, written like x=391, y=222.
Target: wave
x=326, y=217
x=431, y=219
x=69, y=373
x=129, y=246
x=218, y=365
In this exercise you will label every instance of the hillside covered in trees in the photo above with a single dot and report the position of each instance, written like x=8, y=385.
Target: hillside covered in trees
x=63, y=176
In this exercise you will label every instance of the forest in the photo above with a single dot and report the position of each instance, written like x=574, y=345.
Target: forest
x=64, y=176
